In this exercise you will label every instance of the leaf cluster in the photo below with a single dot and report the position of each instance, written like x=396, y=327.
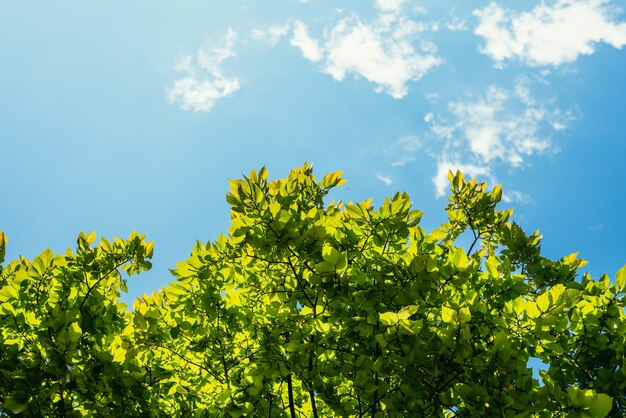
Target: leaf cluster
x=315, y=309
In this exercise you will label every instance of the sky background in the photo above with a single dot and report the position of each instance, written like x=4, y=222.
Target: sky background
x=121, y=116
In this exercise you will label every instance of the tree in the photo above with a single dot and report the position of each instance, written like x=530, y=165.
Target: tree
x=60, y=320
x=315, y=309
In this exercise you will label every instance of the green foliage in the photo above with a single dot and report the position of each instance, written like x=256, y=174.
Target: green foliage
x=314, y=309
x=59, y=322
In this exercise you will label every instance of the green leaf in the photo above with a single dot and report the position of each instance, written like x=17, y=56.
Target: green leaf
x=543, y=302
x=324, y=267
x=321, y=326
x=7, y=308
x=380, y=339
x=407, y=311
x=308, y=311
x=378, y=364
x=14, y=406
x=465, y=315
x=119, y=354
x=389, y=318
x=492, y=267
x=459, y=258
x=449, y=316
x=532, y=311
x=414, y=217
x=330, y=255
x=343, y=262
x=91, y=237
x=437, y=234
x=8, y=292
x=370, y=387
x=496, y=194
x=3, y=243
x=74, y=331
x=620, y=278
x=575, y=396
x=601, y=405
x=31, y=319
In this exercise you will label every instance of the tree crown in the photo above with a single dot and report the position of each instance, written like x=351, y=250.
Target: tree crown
x=314, y=309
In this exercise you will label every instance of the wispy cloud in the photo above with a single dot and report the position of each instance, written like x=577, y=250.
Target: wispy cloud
x=203, y=82
x=385, y=179
x=499, y=127
x=271, y=35
x=510, y=196
x=403, y=150
x=392, y=6
x=386, y=51
x=552, y=33
x=455, y=24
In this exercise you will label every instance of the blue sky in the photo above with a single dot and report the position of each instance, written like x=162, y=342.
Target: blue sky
x=117, y=117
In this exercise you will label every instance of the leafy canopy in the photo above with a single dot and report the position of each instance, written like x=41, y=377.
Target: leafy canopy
x=314, y=309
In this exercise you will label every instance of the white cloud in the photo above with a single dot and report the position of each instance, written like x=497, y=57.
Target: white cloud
x=515, y=196
x=456, y=24
x=201, y=95
x=203, y=83
x=403, y=160
x=381, y=51
x=271, y=34
x=392, y=6
x=301, y=39
x=388, y=61
x=549, y=34
x=385, y=179
x=500, y=127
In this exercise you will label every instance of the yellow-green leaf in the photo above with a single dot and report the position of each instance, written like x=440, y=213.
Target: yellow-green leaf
x=532, y=311
x=389, y=318
x=119, y=354
x=496, y=194
x=331, y=255
x=519, y=305
x=407, y=311
x=459, y=258
x=437, y=234
x=449, y=316
x=7, y=308
x=324, y=267
x=465, y=315
x=8, y=292
x=601, y=405
x=620, y=278
x=31, y=319
x=543, y=302
x=308, y=311
x=492, y=267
